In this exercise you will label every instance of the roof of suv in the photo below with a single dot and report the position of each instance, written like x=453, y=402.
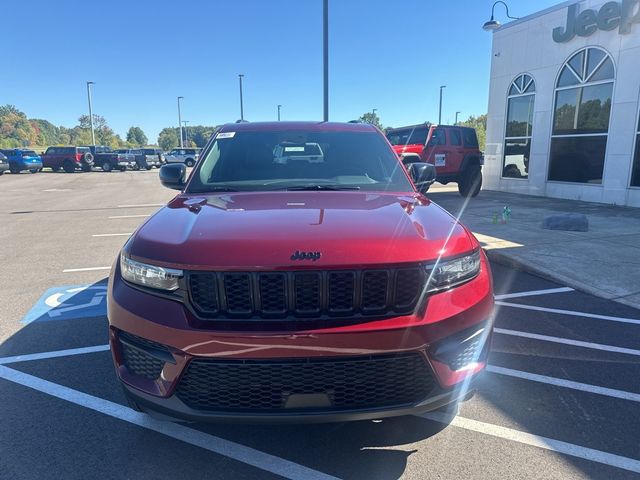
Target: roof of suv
x=425, y=125
x=307, y=126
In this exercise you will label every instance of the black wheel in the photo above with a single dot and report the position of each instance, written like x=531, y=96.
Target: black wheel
x=86, y=168
x=149, y=167
x=189, y=162
x=123, y=169
x=34, y=170
x=54, y=169
x=136, y=167
x=68, y=166
x=14, y=170
x=471, y=181
x=107, y=167
x=87, y=158
x=1, y=172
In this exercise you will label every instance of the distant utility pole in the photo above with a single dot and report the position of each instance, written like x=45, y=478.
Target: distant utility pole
x=180, y=121
x=279, y=107
x=186, y=130
x=373, y=111
x=442, y=87
x=93, y=135
x=325, y=57
x=240, y=77
x=457, y=113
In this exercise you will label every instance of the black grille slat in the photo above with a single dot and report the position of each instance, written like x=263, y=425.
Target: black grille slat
x=265, y=385
x=307, y=293
x=237, y=289
x=375, y=286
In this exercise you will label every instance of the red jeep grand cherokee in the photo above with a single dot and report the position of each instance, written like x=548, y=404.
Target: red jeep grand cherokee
x=299, y=275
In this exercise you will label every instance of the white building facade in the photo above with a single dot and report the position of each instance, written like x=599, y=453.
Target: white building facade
x=564, y=104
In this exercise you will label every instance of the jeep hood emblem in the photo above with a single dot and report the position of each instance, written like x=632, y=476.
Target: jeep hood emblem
x=298, y=255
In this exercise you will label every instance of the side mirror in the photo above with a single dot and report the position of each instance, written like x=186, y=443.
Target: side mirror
x=423, y=175
x=173, y=176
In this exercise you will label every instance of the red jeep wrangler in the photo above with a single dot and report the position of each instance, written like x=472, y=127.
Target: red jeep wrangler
x=453, y=150
x=68, y=158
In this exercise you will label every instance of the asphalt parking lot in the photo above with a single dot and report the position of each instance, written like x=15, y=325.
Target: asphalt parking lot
x=561, y=398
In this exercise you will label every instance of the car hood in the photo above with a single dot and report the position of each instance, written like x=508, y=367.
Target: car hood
x=264, y=230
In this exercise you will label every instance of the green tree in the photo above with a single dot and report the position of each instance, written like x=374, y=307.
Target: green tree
x=168, y=138
x=15, y=128
x=46, y=132
x=480, y=124
x=372, y=118
x=136, y=136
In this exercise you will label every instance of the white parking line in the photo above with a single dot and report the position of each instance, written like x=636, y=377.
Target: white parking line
x=220, y=446
x=143, y=205
x=567, y=341
x=569, y=312
x=129, y=216
x=112, y=234
x=546, y=443
x=87, y=269
x=561, y=382
x=532, y=293
x=54, y=354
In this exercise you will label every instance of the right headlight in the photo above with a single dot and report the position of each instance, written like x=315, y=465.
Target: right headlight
x=444, y=274
x=147, y=275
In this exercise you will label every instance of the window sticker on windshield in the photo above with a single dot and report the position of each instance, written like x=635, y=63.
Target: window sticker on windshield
x=441, y=159
x=225, y=135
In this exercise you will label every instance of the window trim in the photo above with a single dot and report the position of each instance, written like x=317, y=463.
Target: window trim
x=582, y=84
x=506, y=122
x=634, y=146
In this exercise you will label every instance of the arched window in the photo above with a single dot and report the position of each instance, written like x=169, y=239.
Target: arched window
x=517, y=138
x=581, y=118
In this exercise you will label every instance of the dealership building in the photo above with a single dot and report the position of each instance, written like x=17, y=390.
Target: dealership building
x=564, y=103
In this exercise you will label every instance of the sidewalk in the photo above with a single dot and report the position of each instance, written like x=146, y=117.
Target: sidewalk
x=604, y=261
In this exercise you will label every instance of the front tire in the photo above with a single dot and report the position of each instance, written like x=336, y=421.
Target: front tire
x=471, y=182
x=34, y=170
x=106, y=167
x=189, y=162
x=55, y=169
x=68, y=166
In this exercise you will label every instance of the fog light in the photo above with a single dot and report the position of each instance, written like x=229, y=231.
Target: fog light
x=464, y=349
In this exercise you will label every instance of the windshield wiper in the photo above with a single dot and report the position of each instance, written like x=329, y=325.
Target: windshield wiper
x=319, y=187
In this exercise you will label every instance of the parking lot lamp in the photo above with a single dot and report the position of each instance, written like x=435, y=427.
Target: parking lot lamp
x=494, y=24
x=440, y=107
x=240, y=77
x=180, y=121
x=93, y=135
x=279, y=107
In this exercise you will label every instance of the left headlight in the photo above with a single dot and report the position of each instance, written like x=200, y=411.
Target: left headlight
x=445, y=274
x=149, y=275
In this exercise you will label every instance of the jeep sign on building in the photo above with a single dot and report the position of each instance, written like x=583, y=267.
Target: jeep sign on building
x=564, y=104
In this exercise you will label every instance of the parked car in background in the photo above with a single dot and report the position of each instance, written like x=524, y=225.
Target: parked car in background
x=188, y=156
x=140, y=161
x=453, y=150
x=109, y=160
x=68, y=158
x=21, y=159
x=154, y=157
x=4, y=163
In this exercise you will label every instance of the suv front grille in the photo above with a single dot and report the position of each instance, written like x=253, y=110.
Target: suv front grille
x=304, y=294
x=271, y=385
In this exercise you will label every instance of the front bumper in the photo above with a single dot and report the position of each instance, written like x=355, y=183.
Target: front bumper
x=29, y=165
x=432, y=334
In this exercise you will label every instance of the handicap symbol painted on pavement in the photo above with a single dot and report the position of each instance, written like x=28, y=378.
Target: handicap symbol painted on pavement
x=68, y=302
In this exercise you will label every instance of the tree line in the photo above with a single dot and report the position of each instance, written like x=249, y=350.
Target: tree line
x=18, y=131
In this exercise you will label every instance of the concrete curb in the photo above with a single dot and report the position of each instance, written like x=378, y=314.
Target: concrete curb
x=507, y=260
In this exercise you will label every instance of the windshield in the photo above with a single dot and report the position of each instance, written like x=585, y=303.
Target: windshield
x=29, y=153
x=260, y=161
x=408, y=136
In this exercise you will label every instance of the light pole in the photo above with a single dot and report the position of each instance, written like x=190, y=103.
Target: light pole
x=240, y=76
x=180, y=121
x=457, y=113
x=93, y=135
x=279, y=107
x=325, y=57
x=440, y=108
x=186, y=130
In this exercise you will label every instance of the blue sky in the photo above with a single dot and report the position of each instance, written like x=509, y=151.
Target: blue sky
x=388, y=55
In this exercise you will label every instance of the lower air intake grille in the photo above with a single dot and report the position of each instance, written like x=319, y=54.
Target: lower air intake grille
x=268, y=385
x=136, y=359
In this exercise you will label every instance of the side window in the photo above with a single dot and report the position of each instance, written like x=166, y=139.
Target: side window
x=438, y=137
x=454, y=136
x=469, y=137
